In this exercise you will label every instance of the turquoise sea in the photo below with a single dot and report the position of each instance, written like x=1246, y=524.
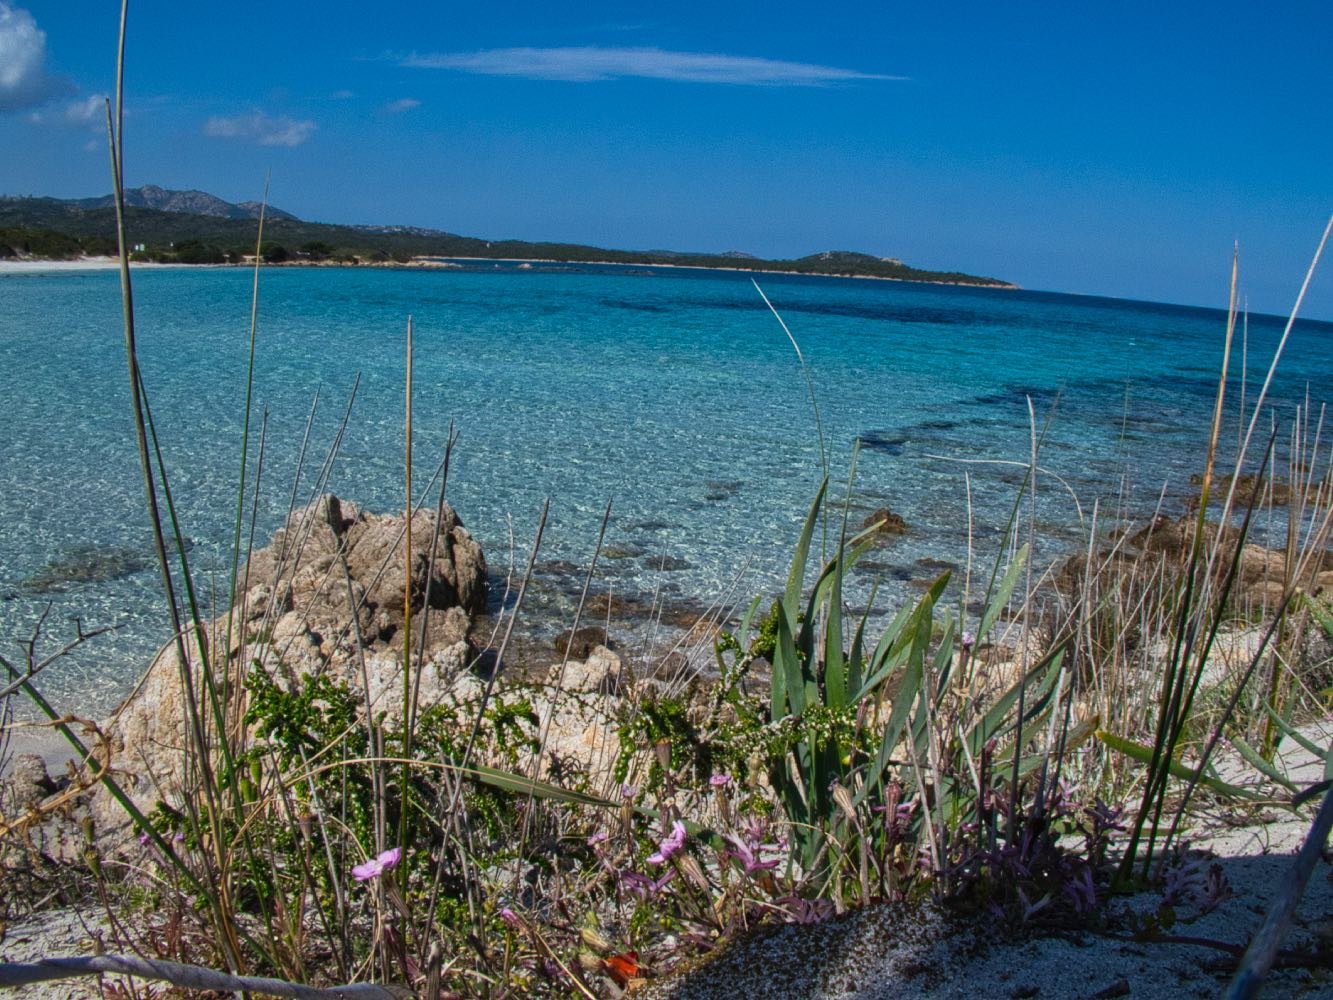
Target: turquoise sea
x=673, y=394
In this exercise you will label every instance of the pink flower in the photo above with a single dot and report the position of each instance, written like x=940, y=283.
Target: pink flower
x=377, y=866
x=671, y=846
x=720, y=780
x=643, y=886
x=751, y=854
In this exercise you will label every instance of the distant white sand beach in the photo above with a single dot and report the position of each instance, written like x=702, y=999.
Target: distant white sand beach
x=82, y=264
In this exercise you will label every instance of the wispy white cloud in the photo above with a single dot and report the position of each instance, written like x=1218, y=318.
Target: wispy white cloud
x=24, y=81
x=90, y=109
x=592, y=63
x=266, y=130
x=342, y=95
x=402, y=104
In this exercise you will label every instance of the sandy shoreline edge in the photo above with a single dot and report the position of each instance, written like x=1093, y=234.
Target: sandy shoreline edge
x=12, y=267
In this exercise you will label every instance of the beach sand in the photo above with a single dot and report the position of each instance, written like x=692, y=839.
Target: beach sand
x=9, y=266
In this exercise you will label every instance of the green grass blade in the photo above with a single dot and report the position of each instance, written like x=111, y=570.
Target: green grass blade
x=896, y=642
x=1290, y=732
x=794, y=669
x=908, y=690
x=796, y=578
x=1256, y=761
x=522, y=784
x=1144, y=754
x=1002, y=595
x=994, y=721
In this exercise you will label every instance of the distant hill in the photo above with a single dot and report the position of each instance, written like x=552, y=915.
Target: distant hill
x=186, y=203
x=197, y=227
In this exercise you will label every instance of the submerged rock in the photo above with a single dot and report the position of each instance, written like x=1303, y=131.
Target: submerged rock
x=887, y=524
x=85, y=564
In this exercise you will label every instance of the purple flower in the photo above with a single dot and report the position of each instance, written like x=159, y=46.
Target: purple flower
x=670, y=846
x=751, y=854
x=1081, y=892
x=720, y=780
x=968, y=641
x=510, y=917
x=600, y=837
x=643, y=886
x=807, y=911
x=377, y=866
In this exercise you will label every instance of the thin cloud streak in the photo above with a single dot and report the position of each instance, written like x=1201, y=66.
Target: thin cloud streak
x=402, y=104
x=592, y=63
x=261, y=128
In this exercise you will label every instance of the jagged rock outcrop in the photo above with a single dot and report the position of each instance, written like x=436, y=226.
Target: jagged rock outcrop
x=326, y=596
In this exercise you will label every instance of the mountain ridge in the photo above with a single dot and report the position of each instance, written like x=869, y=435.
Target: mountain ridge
x=191, y=202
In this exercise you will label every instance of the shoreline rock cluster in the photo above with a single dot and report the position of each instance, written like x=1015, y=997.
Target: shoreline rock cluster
x=326, y=596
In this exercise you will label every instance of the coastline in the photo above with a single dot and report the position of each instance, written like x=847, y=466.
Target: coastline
x=36, y=266
x=1002, y=285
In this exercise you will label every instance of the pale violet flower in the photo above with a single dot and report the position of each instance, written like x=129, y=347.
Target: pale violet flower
x=378, y=865
x=645, y=887
x=751, y=854
x=720, y=780
x=670, y=846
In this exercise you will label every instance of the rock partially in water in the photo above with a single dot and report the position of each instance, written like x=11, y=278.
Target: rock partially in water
x=624, y=550
x=669, y=564
x=722, y=489
x=578, y=644
x=650, y=525
x=887, y=524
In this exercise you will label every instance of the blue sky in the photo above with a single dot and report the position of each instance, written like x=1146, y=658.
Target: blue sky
x=1106, y=149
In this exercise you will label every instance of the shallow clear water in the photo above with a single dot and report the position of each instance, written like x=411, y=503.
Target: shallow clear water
x=674, y=394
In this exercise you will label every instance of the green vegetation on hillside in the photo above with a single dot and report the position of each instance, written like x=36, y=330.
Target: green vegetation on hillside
x=28, y=241
x=184, y=238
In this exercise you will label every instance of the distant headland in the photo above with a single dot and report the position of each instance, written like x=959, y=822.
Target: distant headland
x=194, y=227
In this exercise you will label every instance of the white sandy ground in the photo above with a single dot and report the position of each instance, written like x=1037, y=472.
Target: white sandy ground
x=9, y=267
x=51, y=266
